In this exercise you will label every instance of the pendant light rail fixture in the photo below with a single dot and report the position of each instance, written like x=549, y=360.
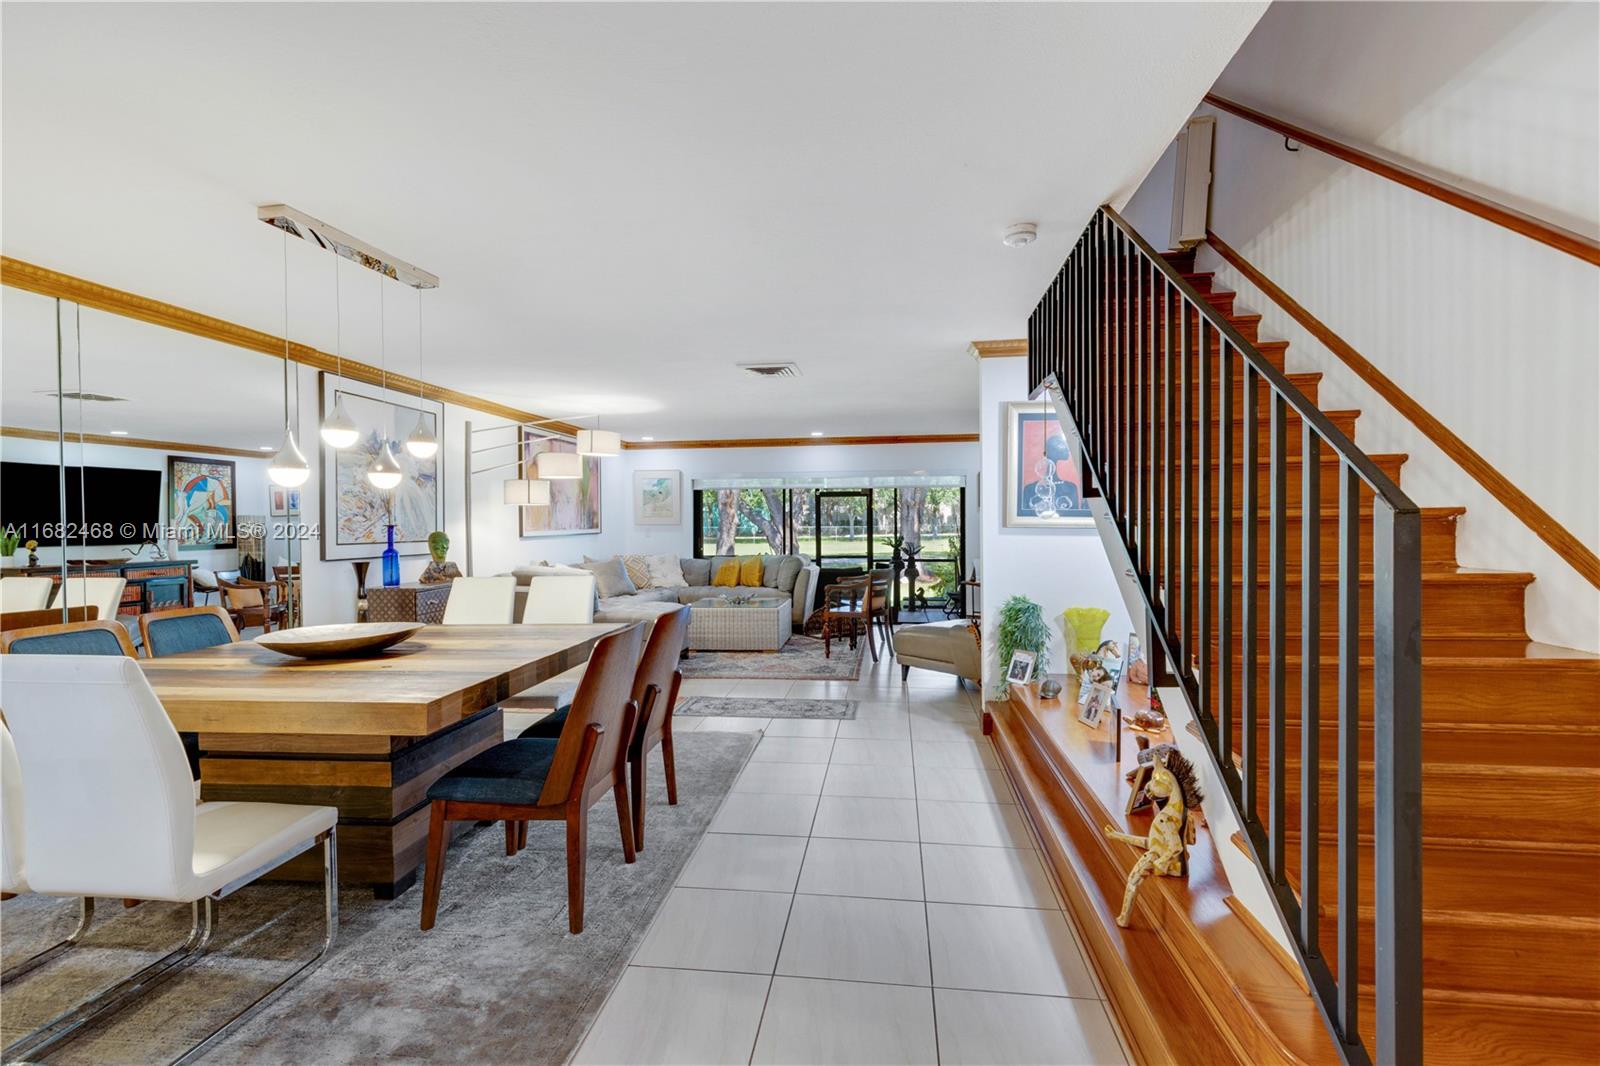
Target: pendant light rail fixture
x=299, y=224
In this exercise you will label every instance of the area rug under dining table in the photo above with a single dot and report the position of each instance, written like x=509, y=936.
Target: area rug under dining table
x=497, y=980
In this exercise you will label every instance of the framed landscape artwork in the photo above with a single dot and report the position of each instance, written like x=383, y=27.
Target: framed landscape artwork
x=354, y=514
x=1043, y=486
x=574, y=504
x=200, y=501
x=657, y=497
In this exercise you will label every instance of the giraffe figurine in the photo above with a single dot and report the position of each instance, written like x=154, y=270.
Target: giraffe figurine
x=1173, y=786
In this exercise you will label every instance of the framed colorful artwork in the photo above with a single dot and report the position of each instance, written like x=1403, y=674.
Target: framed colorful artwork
x=200, y=501
x=574, y=503
x=355, y=515
x=657, y=497
x=1043, y=486
x=277, y=501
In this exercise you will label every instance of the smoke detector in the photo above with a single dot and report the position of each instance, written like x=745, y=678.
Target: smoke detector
x=771, y=370
x=1021, y=235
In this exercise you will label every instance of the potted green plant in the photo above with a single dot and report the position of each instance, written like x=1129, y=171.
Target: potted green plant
x=10, y=541
x=1021, y=628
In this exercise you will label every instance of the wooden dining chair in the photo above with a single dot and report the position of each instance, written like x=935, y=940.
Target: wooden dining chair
x=655, y=690
x=879, y=605
x=251, y=603
x=558, y=779
x=74, y=638
x=44, y=616
x=844, y=609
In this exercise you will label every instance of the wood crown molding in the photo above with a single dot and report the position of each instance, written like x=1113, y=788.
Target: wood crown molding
x=134, y=442
x=1572, y=550
x=47, y=282
x=999, y=349
x=803, y=442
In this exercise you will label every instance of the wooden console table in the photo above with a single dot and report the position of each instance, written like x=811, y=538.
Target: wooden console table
x=153, y=584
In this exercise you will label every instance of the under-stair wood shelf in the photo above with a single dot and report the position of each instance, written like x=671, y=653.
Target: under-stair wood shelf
x=1194, y=980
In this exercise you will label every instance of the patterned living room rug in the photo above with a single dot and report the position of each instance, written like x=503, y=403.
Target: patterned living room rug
x=763, y=707
x=801, y=659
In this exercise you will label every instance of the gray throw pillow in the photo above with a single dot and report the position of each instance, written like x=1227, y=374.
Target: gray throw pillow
x=789, y=573
x=610, y=577
x=697, y=572
x=770, y=565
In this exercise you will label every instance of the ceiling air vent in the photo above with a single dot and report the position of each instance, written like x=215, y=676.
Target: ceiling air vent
x=771, y=370
x=87, y=397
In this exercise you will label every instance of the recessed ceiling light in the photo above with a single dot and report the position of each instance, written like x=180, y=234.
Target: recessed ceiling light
x=647, y=438
x=264, y=448
x=119, y=433
x=816, y=433
x=1020, y=235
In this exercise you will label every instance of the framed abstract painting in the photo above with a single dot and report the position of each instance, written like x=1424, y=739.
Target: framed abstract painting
x=574, y=503
x=657, y=497
x=1043, y=487
x=200, y=501
x=355, y=515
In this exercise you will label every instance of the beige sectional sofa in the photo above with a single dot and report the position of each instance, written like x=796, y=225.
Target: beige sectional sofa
x=794, y=576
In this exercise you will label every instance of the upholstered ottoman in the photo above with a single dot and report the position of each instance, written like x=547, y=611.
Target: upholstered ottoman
x=948, y=647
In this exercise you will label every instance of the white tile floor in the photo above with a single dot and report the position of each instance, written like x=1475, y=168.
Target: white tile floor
x=868, y=893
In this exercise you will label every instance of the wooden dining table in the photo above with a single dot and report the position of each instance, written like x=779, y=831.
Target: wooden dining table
x=365, y=735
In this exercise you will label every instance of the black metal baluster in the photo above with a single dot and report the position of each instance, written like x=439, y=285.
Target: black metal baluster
x=1136, y=523
x=1397, y=774
x=1186, y=497
x=1277, y=651
x=1225, y=663
x=1310, y=665
x=1349, y=752
x=1153, y=428
x=1202, y=644
x=1249, y=547
x=1170, y=494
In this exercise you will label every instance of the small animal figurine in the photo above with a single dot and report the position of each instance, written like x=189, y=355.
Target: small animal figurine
x=1172, y=784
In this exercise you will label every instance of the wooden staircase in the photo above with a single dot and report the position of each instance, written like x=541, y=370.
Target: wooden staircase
x=1511, y=769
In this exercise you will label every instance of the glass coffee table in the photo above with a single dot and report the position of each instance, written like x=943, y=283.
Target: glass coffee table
x=721, y=623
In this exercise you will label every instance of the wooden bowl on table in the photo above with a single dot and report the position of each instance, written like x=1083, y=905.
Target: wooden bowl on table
x=348, y=640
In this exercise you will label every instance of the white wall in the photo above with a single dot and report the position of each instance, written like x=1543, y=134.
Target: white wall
x=1497, y=335
x=946, y=458
x=250, y=491
x=1056, y=569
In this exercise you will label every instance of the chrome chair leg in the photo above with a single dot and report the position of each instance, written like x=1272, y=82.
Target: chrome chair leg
x=330, y=917
x=85, y=916
x=64, y=1027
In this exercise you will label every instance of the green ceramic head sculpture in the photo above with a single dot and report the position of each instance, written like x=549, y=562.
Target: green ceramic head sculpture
x=438, y=545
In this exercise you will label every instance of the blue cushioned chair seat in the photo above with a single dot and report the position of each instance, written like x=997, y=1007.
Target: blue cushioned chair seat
x=172, y=636
x=78, y=642
x=512, y=772
x=548, y=726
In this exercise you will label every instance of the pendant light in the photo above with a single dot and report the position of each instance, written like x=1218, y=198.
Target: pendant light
x=524, y=492
x=599, y=442
x=422, y=443
x=289, y=467
x=339, y=430
x=384, y=473
x=559, y=466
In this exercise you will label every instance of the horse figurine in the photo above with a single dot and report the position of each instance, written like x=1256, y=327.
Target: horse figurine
x=1172, y=783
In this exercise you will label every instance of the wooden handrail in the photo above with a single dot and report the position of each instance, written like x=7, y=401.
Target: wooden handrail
x=1573, y=243
x=1573, y=551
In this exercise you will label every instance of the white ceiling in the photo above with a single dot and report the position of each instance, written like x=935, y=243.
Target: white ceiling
x=623, y=201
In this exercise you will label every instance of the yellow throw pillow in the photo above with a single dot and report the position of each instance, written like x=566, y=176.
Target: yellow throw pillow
x=727, y=575
x=750, y=572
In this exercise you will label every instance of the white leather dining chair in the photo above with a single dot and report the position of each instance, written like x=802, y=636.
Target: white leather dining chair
x=480, y=601
x=559, y=599
x=13, y=878
x=108, y=810
x=102, y=593
x=24, y=593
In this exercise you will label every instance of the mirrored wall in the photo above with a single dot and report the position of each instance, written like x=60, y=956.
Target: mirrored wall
x=136, y=452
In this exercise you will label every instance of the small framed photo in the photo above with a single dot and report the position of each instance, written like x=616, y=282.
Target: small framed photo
x=1020, y=672
x=1101, y=700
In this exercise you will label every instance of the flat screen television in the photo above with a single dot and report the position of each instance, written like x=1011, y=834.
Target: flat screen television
x=124, y=506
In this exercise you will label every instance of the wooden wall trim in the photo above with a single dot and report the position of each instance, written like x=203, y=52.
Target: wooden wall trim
x=1546, y=233
x=134, y=442
x=47, y=282
x=999, y=349
x=1573, y=551
x=803, y=442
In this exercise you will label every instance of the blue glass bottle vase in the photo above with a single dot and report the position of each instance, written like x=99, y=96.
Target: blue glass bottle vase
x=391, y=563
